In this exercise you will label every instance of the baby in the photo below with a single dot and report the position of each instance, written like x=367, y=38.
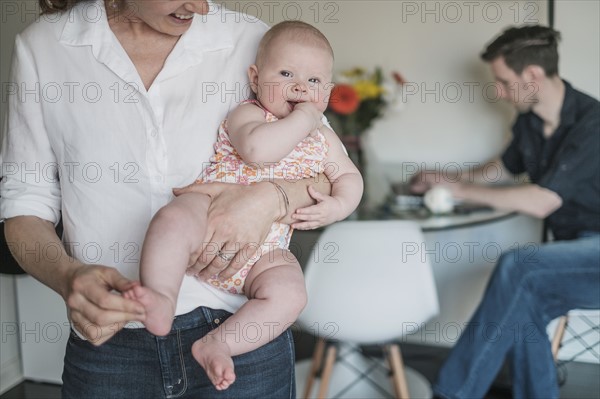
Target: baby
x=280, y=135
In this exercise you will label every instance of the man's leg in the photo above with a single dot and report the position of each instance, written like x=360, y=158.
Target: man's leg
x=569, y=280
x=527, y=289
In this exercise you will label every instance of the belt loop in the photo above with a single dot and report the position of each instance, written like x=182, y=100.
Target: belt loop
x=208, y=316
x=212, y=318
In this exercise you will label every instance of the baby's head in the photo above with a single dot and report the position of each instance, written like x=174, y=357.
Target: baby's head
x=294, y=64
x=291, y=33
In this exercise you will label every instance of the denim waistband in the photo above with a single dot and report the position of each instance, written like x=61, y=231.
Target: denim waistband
x=199, y=316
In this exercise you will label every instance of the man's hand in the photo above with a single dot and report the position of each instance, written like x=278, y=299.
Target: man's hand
x=239, y=219
x=425, y=179
x=95, y=310
x=325, y=212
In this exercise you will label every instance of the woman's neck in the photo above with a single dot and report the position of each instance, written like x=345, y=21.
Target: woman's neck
x=147, y=48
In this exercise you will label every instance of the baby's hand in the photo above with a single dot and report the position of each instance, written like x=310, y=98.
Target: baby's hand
x=325, y=212
x=313, y=114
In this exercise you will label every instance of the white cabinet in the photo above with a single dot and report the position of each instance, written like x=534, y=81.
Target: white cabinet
x=43, y=330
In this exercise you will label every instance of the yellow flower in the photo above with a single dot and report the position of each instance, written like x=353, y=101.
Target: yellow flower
x=354, y=73
x=367, y=89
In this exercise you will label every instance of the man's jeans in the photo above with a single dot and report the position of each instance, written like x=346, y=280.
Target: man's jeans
x=529, y=287
x=136, y=364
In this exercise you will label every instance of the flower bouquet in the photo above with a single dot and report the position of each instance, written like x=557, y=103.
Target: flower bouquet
x=358, y=98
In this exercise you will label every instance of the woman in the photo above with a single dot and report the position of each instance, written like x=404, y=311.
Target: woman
x=117, y=103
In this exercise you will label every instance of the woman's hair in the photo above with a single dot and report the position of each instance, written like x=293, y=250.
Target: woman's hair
x=299, y=32
x=53, y=6
x=527, y=45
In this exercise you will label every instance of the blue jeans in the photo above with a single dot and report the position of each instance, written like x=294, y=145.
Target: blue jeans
x=529, y=287
x=137, y=364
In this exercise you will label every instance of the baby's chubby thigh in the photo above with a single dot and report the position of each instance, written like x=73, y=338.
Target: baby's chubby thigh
x=277, y=275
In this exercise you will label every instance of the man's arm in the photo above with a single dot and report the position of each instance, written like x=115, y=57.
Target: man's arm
x=530, y=199
x=470, y=185
x=87, y=290
x=492, y=171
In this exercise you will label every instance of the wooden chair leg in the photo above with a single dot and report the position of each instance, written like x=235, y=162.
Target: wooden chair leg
x=317, y=360
x=398, y=375
x=559, y=332
x=327, y=370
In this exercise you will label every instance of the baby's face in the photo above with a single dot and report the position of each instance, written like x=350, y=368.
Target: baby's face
x=293, y=72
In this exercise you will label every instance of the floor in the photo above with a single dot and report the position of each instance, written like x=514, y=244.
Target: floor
x=582, y=379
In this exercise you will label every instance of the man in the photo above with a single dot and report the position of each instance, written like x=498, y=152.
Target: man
x=556, y=138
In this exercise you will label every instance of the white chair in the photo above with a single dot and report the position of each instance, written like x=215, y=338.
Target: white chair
x=368, y=283
x=579, y=331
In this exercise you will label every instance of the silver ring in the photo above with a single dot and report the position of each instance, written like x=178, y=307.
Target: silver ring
x=225, y=257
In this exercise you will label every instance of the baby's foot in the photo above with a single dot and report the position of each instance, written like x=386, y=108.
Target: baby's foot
x=215, y=358
x=159, y=309
x=128, y=291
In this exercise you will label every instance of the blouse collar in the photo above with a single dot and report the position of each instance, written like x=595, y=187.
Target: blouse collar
x=87, y=25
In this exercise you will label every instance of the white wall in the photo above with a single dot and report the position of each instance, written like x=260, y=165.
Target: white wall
x=579, y=23
x=14, y=16
x=10, y=364
x=451, y=114
x=436, y=46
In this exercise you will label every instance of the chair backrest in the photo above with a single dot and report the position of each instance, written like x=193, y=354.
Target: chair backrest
x=368, y=282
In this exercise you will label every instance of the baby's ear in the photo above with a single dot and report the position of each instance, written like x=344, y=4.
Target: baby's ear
x=253, y=78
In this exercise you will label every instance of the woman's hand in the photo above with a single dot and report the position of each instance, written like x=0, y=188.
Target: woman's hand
x=239, y=219
x=95, y=310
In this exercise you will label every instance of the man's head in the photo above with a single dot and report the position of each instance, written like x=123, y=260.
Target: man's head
x=520, y=58
x=524, y=46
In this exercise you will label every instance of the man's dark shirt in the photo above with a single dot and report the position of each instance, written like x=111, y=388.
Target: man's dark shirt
x=568, y=162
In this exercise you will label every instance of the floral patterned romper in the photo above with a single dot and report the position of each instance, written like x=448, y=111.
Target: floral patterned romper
x=306, y=160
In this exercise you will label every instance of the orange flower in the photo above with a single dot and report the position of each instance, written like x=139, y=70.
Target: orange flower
x=398, y=78
x=344, y=99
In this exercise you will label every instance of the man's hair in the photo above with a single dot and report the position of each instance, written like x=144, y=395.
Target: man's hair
x=299, y=32
x=524, y=46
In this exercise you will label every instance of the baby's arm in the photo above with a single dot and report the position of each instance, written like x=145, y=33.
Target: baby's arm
x=258, y=141
x=346, y=189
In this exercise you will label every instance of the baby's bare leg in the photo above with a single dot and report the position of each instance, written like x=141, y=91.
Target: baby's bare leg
x=176, y=231
x=276, y=293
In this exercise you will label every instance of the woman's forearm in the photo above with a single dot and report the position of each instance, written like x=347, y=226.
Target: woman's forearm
x=297, y=193
x=35, y=245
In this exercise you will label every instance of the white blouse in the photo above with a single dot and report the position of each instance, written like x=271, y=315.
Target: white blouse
x=84, y=138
